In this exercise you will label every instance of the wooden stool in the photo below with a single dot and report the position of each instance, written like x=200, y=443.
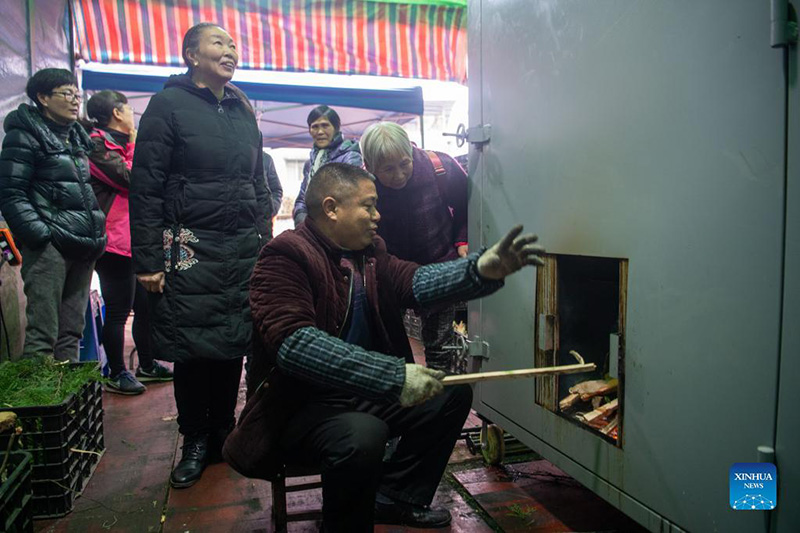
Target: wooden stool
x=280, y=515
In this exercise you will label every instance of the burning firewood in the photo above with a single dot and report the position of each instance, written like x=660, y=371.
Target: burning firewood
x=569, y=401
x=595, y=387
x=611, y=426
x=603, y=410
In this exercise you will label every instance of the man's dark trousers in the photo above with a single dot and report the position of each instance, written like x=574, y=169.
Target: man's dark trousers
x=346, y=440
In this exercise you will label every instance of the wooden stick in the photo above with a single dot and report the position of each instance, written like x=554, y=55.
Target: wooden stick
x=603, y=410
x=512, y=374
x=610, y=427
x=569, y=401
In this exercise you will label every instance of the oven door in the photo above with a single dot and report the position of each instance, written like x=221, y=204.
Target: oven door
x=651, y=133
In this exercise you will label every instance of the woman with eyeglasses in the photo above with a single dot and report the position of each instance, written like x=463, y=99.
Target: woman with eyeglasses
x=200, y=212
x=49, y=205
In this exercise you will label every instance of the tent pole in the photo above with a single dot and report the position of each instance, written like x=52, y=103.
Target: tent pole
x=421, y=132
x=71, y=29
x=30, y=9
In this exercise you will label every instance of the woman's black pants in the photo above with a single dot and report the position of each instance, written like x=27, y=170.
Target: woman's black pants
x=121, y=293
x=206, y=391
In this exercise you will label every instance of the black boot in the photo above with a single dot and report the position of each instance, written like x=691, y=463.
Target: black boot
x=193, y=461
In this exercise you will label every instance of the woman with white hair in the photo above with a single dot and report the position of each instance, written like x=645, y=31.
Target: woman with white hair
x=422, y=198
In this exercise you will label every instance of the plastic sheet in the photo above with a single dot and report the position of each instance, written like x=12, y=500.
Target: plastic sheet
x=49, y=43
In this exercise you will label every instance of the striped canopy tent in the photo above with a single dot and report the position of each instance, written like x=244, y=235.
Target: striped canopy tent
x=415, y=39
x=412, y=39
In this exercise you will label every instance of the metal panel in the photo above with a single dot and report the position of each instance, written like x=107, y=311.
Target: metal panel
x=652, y=131
x=788, y=431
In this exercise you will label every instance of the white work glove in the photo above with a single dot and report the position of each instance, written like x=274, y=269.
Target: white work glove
x=513, y=252
x=421, y=385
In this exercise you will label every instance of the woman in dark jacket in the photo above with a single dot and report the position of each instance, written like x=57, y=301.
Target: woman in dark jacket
x=199, y=215
x=49, y=205
x=329, y=147
x=113, y=133
x=422, y=197
x=273, y=184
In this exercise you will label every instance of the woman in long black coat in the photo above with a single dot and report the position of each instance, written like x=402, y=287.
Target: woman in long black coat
x=200, y=212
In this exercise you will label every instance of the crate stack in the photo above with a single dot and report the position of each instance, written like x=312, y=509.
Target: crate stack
x=16, y=508
x=65, y=442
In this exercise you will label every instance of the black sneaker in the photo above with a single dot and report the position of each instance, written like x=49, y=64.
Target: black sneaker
x=157, y=372
x=125, y=383
x=409, y=514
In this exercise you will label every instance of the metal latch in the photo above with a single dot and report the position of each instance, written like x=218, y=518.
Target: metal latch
x=477, y=135
x=478, y=348
x=463, y=346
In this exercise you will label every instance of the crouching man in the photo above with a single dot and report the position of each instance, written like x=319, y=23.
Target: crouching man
x=336, y=373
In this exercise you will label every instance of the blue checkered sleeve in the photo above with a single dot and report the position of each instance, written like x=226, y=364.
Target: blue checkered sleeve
x=311, y=354
x=453, y=281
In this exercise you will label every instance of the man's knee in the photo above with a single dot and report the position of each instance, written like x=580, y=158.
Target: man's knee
x=362, y=445
x=460, y=398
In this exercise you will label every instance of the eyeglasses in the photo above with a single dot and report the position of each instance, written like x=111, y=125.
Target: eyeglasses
x=69, y=95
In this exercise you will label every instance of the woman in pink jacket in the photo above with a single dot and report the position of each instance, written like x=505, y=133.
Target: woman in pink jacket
x=114, y=136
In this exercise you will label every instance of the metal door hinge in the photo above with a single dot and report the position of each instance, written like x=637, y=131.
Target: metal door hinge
x=478, y=348
x=464, y=347
x=477, y=135
x=783, y=24
x=480, y=134
x=766, y=454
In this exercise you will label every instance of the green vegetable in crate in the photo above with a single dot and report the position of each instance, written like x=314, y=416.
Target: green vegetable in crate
x=42, y=381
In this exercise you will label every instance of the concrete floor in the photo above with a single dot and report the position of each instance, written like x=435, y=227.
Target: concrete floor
x=129, y=491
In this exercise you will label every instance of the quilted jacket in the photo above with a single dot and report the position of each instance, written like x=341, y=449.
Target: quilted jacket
x=200, y=212
x=45, y=194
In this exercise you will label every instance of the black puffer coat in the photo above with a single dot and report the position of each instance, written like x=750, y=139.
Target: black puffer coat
x=45, y=194
x=200, y=211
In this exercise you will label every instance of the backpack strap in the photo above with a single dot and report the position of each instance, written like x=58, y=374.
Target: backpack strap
x=438, y=167
x=439, y=171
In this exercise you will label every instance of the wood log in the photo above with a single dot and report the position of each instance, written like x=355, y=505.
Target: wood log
x=595, y=387
x=513, y=374
x=610, y=426
x=569, y=401
x=603, y=410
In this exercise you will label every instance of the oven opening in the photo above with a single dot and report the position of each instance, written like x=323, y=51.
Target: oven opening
x=580, y=306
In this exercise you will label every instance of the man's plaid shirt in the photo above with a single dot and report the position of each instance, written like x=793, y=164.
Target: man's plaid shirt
x=313, y=355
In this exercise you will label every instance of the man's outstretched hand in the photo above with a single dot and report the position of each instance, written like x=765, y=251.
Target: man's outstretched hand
x=513, y=252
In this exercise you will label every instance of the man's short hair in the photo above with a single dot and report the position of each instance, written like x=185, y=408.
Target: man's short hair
x=384, y=140
x=333, y=179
